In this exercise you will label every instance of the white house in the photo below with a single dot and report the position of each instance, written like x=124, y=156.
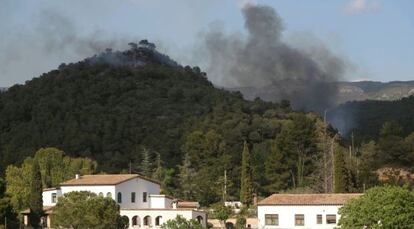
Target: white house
x=310, y=211
x=139, y=199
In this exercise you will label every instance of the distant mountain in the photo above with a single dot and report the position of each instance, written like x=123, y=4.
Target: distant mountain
x=3, y=89
x=348, y=91
x=365, y=118
x=372, y=90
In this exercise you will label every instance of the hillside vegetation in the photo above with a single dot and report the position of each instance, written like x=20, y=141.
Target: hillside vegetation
x=146, y=112
x=139, y=111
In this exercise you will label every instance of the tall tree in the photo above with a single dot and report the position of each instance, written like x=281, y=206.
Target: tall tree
x=246, y=184
x=341, y=174
x=186, y=177
x=35, y=196
x=146, y=166
x=297, y=141
x=276, y=171
x=53, y=164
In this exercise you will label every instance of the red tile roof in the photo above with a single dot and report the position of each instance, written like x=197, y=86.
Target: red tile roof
x=309, y=199
x=105, y=179
x=187, y=204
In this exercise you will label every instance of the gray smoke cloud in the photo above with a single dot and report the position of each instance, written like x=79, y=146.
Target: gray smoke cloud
x=49, y=39
x=261, y=59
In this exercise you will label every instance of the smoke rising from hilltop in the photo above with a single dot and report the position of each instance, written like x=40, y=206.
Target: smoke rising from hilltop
x=49, y=38
x=261, y=59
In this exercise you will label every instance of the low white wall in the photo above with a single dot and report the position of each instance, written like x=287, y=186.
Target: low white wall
x=160, y=201
x=287, y=216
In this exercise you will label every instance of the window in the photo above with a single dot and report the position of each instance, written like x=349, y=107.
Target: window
x=200, y=219
x=54, y=198
x=272, y=219
x=135, y=221
x=331, y=219
x=147, y=220
x=144, y=197
x=100, y=194
x=109, y=195
x=158, y=221
x=299, y=220
x=132, y=197
x=318, y=219
x=119, y=197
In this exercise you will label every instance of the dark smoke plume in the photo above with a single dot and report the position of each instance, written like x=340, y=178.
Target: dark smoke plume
x=262, y=60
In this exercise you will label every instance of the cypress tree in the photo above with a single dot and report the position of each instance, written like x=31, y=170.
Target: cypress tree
x=246, y=184
x=35, y=196
x=47, y=179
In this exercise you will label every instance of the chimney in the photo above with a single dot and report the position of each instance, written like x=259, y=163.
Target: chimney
x=77, y=176
x=175, y=204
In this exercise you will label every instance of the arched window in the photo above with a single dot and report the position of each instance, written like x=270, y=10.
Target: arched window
x=147, y=220
x=200, y=219
x=158, y=221
x=119, y=197
x=100, y=194
x=109, y=195
x=135, y=221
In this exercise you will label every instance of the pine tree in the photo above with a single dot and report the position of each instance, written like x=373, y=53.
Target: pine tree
x=159, y=172
x=146, y=167
x=341, y=173
x=186, y=177
x=35, y=196
x=246, y=184
x=276, y=172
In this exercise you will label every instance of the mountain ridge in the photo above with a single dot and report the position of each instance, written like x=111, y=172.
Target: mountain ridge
x=347, y=91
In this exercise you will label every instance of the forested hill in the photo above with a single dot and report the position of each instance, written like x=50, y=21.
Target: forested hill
x=112, y=113
x=366, y=118
x=107, y=112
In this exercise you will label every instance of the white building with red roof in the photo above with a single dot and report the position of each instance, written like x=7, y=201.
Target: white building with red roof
x=310, y=211
x=139, y=199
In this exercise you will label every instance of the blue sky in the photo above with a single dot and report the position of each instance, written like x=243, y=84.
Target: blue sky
x=375, y=36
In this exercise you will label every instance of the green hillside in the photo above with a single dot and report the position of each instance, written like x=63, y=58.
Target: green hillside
x=116, y=105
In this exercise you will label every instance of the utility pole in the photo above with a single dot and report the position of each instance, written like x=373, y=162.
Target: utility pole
x=225, y=187
x=325, y=158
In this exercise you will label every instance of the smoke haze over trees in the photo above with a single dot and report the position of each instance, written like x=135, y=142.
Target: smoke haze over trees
x=262, y=58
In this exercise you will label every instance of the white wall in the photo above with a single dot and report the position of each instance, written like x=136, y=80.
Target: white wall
x=138, y=186
x=287, y=215
x=47, y=196
x=160, y=201
x=166, y=215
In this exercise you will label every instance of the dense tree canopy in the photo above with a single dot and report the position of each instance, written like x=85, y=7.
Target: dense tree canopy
x=52, y=162
x=86, y=210
x=380, y=207
x=110, y=111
